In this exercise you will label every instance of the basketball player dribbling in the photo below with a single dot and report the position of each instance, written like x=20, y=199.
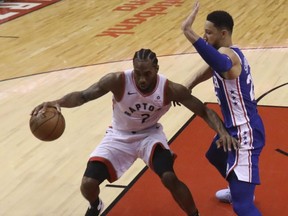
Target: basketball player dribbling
x=234, y=90
x=141, y=97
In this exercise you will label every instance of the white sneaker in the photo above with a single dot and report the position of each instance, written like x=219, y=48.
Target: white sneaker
x=224, y=195
x=100, y=206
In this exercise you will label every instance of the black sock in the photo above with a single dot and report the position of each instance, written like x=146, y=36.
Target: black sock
x=95, y=204
x=92, y=211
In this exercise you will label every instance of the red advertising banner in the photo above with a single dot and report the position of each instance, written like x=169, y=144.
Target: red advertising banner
x=11, y=9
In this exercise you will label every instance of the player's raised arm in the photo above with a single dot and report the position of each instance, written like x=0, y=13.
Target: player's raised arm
x=187, y=24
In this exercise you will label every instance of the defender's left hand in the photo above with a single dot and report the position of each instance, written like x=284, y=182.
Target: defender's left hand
x=227, y=142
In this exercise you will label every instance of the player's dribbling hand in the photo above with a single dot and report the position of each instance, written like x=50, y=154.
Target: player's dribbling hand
x=227, y=142
x=42, y=107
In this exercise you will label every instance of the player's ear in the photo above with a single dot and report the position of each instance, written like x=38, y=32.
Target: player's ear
x=224, y=32
x=157, y=68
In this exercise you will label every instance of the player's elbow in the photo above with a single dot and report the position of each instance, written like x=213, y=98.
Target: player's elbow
x=223, y=65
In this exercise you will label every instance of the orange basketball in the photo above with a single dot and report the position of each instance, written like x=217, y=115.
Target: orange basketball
x=47, y=126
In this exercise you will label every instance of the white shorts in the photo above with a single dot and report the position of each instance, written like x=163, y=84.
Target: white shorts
x=119, y=149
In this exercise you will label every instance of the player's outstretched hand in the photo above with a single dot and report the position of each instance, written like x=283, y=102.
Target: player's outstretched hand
x=191, y=18
x=227, y=142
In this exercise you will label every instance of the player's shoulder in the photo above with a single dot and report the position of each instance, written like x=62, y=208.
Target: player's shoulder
x=112, y=79
x=115, y=75
x=225, y=50
x=113, y=82
x=231, y=53
x=173, y=89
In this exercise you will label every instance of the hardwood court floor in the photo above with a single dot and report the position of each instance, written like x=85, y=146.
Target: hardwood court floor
x=59, y=48
x=72, y=33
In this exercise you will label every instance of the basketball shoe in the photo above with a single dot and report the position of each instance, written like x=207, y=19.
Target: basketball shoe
x=92, y=211
x=224, y=196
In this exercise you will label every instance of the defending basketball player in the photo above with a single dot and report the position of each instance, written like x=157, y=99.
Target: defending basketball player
x=234, y=89
x=141, y=97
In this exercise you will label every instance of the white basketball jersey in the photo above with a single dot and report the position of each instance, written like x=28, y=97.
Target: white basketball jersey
x=137, y=111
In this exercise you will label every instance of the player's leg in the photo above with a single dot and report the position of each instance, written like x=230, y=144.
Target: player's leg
x=162, y=162
x=242, y=196
x=95, y=173
x=249, y=171
x=109, y=160
x=217, y=157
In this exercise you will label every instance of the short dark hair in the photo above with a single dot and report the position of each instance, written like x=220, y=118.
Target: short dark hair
x=145, y=54
x=221, y=19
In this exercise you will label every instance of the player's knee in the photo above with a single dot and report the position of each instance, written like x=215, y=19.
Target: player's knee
x=162, y=161
x=208, y=156
x=211, y=155
x=163, y=166
x=96, y=170
x=95, y=173
x=89, y=187
x=88, y=183
x=216, y=157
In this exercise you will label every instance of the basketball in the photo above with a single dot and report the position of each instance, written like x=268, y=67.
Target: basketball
x=47, y=126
